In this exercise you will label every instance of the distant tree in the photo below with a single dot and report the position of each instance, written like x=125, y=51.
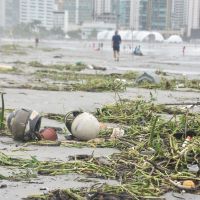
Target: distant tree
x=57, y=31
x=74, y=34
x=93, y=33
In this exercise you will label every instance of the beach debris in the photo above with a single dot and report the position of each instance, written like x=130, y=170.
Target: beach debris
x=97, y=140
x=82, y=125
x=103, y=126
x=3, y=186
x=48, y=134
x=99, y=68
x=180, y=85
x=189, y=184
x=85, y=127
x=80, y=157
x=61, y=194
x=90, y=66
x=70, y=137
x=44, y=188
x=104, y=161
x=58, y=56
x=193, y=168
x=79, y=63
x=183, y=185
x=69, y=118
x=187, y=141
x=2, y=111
x=154, y=173
x=121, y=80
x=180, y=135
x=24, y=124
x=117, y=133
x=149, y=151
x=5, y=67
x=96, y=67
x=146, y=77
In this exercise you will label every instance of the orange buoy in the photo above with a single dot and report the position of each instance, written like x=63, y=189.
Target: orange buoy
x=48, y=134
x=189, y=184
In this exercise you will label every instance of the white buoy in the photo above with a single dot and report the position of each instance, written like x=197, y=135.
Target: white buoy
x=85, y=127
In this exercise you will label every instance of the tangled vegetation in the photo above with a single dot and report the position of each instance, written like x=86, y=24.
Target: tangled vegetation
x=152, y=160
x=108, y=82
x=73, y=67
x=10, y=49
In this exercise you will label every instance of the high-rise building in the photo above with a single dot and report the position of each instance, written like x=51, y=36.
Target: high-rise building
x=105, y=10
x=37, y=10
x=2, y=13
x=9, y=13
x=193, y=18
x=124, y=13
x=12, y=12
x=155, y=14
x=79, y=11
x=134, y=14
x=59, y=5
x=179, y=14
x=102, y=6
x=59, y=19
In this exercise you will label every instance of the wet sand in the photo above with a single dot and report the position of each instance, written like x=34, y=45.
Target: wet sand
x=165, y=57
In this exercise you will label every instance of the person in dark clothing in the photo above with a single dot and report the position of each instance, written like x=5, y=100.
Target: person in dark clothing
x=116, y=41
x=137, y=51
x=183, y=50
x=36, y=42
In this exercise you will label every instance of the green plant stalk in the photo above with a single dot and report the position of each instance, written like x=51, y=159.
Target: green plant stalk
x=2, y=112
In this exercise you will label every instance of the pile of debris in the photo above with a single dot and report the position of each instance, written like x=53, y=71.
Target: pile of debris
x=156, y=155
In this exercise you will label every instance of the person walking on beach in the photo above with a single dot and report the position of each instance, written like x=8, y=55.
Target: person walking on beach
x=116, y=41
x=183, y=50
x=36, y=42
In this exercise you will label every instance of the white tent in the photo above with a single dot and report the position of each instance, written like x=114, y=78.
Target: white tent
x=110, y=34
x=146, y=35
x=174, y=39
x=158, y=36
x=129, y=35
x=102, y=35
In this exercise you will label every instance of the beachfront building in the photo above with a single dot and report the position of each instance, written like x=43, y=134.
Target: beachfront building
x=37, y=10
x=193, y=19
x=124, y=13
x=2, y=13
x=155, y=14
x=102, y=6
x=59, y=5
x=105, y=11
x=58, y=19
x=79, y=11
x=179, y=14
x=134, y=14
x=9, y=13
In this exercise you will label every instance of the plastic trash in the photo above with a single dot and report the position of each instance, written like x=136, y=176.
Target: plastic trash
x=193, y=168
x=187, y=141
x=117, y=133
x=189, y=184
x=151, y=78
